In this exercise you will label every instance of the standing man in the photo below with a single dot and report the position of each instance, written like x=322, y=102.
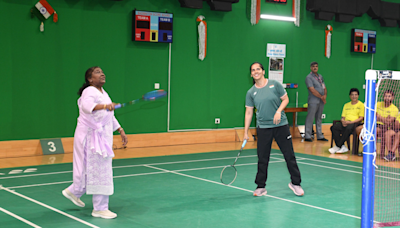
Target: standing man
x=316, y=101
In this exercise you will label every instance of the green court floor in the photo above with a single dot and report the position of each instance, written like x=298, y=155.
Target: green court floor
x=185, y=191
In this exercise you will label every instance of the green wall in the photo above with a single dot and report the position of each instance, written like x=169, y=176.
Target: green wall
x=42, y=72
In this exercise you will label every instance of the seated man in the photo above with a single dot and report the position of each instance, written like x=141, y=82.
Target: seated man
x=386, y=114
x=392, y=140
x=352, y=116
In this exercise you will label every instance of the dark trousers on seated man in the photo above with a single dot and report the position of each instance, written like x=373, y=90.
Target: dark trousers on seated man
x=340, y=134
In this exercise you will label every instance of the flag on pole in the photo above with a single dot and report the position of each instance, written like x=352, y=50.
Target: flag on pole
x=296, y=12
x=42, y=10
x=255, y=11
x=202, y=28
x=328, y=40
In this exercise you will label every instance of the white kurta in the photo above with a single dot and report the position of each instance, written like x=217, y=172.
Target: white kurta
x=93, y=142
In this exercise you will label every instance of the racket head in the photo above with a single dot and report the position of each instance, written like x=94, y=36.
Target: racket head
x=228, y=175
x=155, y=94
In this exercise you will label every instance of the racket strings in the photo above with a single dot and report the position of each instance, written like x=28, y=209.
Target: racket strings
x=228, y=174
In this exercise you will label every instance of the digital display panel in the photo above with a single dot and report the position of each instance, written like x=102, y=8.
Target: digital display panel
x=152, y=26
x=363, y=41
x=277, y=1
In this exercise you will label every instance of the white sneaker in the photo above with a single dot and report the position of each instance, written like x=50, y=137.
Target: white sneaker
x=78, y=202
x=344, y=149
x=107, y=214
x=260, y=192
x=334, y=149
x=297, y=189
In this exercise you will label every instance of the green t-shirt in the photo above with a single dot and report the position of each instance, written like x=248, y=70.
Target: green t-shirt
x=267, y=100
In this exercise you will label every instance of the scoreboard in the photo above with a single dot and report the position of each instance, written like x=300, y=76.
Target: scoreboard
x=363, y=41
x=278, y=1
x=152, y=26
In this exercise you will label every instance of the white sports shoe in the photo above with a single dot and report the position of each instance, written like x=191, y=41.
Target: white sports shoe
x=107, y=214
x=260, y=192
x=344, y=149
x=77, y=201
x=334, y=149
x=297, y=189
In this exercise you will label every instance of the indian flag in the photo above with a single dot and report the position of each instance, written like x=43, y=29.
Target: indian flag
x=44, y=10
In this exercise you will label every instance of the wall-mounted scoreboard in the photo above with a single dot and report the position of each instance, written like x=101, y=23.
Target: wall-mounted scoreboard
x=363, y=41
x=152, y=26
x=277, y=1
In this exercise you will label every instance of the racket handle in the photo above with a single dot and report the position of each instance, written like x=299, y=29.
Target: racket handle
x=117, y=106
x=244, y=143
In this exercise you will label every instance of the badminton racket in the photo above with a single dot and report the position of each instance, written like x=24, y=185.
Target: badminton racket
x=150, y=96
x=229, y=172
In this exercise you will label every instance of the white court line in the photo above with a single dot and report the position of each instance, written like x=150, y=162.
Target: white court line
x=140, y=165
x=290, y=201
x=19, y=218
x=187, y=161
x=162, y=163
x=48, y=207
x=182, y=170
x=33, y=175
x=128, y=166
x=133, y=175
x=333, y=163
x=339, y=164
x=44, y=184
x=345, y=170
x=299, y=158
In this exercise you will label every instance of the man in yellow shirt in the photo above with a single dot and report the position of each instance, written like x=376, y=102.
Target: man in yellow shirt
x=392, y=137
x=352, y=116
x=386, y=114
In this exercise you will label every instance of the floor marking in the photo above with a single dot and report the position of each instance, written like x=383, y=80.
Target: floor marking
x=132, y=175
x=128, y=166
x=182, y=170
x=30, y=170
x=33, y=175
x=44, y=184
x=19, y=218
x=345, y=170
x=339, y=164
x=15, y=171
x=290, y=201
x=140, y=165
x=47, y=206
x=187, y=161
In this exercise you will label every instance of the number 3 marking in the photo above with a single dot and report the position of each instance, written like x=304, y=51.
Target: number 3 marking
x=52, y=147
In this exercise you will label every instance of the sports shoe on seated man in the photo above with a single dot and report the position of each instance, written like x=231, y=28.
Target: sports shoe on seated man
x=260, y=192
x=323, y=139
x=78, y=202
x=334, y=149
x=297, y=189
x=106, y=214
x=343, y=149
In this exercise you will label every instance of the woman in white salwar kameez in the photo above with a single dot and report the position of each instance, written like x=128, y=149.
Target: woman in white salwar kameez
x=93, y=140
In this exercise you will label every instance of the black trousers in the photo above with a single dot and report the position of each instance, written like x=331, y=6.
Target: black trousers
x=264, y=141
x=340, y=134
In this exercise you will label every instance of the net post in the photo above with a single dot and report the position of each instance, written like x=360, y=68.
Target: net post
x=368, y=178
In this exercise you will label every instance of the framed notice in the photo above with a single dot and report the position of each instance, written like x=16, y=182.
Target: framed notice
x=275, y=71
